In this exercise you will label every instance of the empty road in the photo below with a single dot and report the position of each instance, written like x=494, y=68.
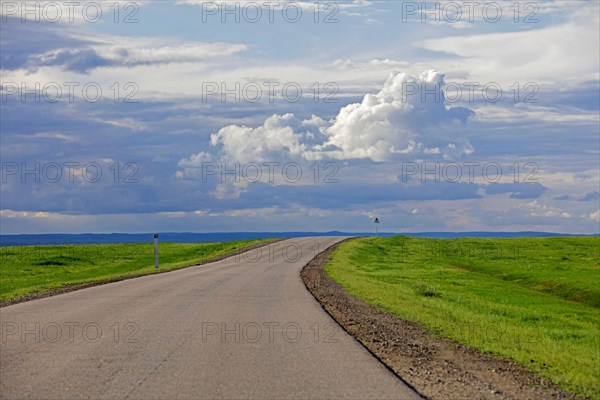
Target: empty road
x=243, y=327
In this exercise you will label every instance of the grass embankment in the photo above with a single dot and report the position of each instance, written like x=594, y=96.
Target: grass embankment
x=32, y=269
x=532, y=300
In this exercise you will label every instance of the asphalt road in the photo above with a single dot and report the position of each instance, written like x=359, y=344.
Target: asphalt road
x=244, y=327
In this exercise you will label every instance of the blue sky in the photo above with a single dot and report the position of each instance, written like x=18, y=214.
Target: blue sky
x=399, y=116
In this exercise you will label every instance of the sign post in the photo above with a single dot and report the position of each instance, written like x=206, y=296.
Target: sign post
x=376, y=223
x=156, y=250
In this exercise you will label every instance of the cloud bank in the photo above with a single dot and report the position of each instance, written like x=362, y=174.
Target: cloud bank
x=398, y=122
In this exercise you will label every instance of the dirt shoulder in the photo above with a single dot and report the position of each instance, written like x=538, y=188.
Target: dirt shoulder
x=79, y=286
x=436, y=367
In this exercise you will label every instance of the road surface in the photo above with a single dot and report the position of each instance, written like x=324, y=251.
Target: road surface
x=243, y=327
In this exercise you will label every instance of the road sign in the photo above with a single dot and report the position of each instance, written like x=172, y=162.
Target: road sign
x=377, y=220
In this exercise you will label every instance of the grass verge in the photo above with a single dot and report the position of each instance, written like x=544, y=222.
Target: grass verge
x=26, y=270
x=533, y=300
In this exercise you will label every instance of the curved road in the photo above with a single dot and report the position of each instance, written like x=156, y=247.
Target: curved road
x=244, y=327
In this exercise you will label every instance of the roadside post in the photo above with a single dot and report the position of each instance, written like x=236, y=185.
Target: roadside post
x=156, y=250
x=376, y=223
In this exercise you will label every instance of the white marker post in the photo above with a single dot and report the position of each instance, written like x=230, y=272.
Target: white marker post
x=376, y=223
x=156, y=250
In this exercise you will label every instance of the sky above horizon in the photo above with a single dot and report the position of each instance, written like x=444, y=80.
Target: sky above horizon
x=142, y=116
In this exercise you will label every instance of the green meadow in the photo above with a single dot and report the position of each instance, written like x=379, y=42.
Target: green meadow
x=533, y=300
x=31, y=269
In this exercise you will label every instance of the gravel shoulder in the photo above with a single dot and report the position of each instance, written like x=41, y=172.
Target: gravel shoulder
x=436, y=367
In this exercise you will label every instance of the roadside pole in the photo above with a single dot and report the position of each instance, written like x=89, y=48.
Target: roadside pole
x=376, y=223
x=156, y=250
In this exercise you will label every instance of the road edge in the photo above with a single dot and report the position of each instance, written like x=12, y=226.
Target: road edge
x=420, y=353
x=319, y=262
x=84, y=285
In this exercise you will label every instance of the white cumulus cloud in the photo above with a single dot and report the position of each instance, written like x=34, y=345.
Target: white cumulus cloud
x=245, y=144
x=393, y=120
x=395, y=123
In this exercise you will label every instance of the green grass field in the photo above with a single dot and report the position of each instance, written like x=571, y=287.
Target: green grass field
x=532, y=300
x=32, y=269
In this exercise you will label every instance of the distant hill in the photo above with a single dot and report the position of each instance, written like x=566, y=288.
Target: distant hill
x=189, y=237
